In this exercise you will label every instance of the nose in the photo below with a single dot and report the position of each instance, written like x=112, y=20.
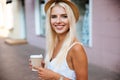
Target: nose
x=58, y=20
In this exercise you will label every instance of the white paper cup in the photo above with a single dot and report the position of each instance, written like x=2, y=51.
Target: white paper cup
x=36, y=61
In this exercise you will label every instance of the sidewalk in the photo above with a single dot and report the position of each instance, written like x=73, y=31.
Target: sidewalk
x=14, y=61
x=98, y=73
x=14, y=64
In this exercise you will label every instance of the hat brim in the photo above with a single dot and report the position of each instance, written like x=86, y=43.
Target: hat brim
x=71, y=4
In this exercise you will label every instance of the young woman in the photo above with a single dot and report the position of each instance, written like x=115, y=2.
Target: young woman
x=65, y=56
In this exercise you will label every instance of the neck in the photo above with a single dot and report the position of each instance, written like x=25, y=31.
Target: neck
x=61, y=38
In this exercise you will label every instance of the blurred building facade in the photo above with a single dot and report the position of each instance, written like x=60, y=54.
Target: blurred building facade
x=13, y=21
x=105, y=21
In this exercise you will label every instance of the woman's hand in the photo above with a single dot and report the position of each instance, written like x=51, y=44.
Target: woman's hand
x=30, y=65
x=42, y=64
x=47, y=74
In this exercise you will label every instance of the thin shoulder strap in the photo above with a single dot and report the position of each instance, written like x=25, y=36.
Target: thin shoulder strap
x=73, y=45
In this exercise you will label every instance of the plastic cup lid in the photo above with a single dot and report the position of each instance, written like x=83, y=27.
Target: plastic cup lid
x=36, y=56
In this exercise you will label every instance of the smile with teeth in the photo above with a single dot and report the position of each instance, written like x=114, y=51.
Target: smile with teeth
x=59, y=27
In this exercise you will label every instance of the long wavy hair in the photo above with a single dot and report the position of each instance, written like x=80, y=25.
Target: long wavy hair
x=51, y=36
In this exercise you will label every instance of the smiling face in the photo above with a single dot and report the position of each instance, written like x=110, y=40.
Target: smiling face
x=59, y=20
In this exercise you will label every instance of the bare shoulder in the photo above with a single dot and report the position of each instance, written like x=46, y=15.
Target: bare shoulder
x=77, y=50
x=77, y=47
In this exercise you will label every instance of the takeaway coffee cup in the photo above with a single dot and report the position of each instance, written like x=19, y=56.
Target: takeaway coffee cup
x=36, y=61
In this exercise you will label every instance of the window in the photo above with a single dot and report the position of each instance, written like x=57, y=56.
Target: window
x=84, y=24
x=39, y=17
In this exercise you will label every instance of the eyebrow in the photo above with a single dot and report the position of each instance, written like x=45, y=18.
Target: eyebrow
x=60, y=14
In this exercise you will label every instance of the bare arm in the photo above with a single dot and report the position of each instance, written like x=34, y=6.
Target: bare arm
x=79, y=62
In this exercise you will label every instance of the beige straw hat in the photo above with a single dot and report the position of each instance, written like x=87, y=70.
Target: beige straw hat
x=71, y=4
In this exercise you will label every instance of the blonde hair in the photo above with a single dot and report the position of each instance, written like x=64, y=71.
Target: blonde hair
x=51, y=37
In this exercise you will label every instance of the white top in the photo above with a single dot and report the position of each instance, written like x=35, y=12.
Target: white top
x=64, y=69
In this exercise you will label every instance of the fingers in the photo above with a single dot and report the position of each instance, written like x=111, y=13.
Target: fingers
x=30, y=65
x=42, y=63
x=38, y=68
x=40, y=71
x=40, y=78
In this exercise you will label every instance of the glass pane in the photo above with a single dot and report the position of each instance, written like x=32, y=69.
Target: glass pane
x=42, y=18
x=83, y=27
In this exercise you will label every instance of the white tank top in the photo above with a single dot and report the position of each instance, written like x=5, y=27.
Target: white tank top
x=64, y=69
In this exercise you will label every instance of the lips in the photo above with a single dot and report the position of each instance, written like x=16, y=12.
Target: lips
x=59, y=27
